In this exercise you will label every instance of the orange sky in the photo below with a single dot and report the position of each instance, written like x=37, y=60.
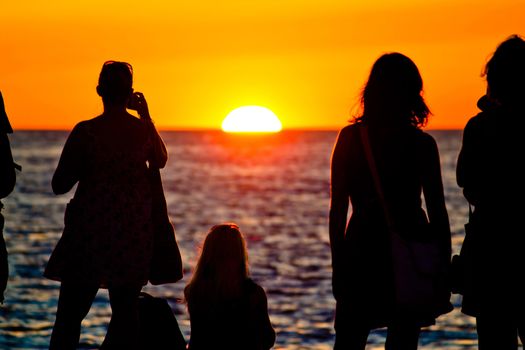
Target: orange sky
x=196, y=61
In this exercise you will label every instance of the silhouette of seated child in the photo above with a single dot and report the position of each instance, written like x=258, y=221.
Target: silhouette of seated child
x=227, y=309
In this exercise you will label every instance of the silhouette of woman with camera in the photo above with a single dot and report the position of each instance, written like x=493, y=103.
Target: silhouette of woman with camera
x=107, y=238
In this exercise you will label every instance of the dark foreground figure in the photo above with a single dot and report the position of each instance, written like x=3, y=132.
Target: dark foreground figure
x=227, y=309
x=492, y=175
x=107, y=239
x=408, y=165
x=7, y=184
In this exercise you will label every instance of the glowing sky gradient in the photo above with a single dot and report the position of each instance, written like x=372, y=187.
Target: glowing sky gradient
x=196, y=61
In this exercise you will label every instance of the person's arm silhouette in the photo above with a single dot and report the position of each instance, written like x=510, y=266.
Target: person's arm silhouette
x=159, y=155
x=7, y=184
x=7, y=165
x=339, y=203
x=68, y=171
x=434, y=193
x=266, y=333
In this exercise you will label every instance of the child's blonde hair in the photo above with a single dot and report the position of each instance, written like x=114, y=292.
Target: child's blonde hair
x=222, y=267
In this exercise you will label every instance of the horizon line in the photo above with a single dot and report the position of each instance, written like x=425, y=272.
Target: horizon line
x=199, y=129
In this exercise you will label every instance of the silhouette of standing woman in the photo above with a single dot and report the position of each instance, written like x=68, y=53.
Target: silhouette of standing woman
x=107, y=238
x=492, y=176
x=407, y=160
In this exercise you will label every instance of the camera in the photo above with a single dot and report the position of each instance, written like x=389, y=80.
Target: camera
x=133, y=102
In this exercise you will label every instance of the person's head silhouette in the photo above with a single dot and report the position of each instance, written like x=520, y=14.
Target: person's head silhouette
x=224, y=251
x=392, y=94
x=115, y=83
x=222, y=268
x=505, y=72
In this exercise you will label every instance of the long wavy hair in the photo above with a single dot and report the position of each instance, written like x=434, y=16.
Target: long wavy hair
x=222, y=267
x=393, y=93
x=505, y=72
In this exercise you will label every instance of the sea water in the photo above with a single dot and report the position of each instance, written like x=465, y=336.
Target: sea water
x=275, y=187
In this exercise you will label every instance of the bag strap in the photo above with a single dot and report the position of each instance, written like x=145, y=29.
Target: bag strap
x=365, y=140
x=145, y=295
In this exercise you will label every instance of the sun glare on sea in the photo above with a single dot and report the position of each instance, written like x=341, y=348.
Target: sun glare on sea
x=251, y=119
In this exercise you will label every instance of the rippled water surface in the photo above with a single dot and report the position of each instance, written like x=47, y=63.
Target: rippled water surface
x=276, y=187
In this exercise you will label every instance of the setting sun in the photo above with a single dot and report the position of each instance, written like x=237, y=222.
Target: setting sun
x=251, y=119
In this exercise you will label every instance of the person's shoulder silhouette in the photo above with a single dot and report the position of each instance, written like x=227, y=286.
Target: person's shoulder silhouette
x=7, y=165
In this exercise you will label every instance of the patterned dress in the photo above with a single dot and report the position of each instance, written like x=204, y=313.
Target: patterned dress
x=107, y=237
